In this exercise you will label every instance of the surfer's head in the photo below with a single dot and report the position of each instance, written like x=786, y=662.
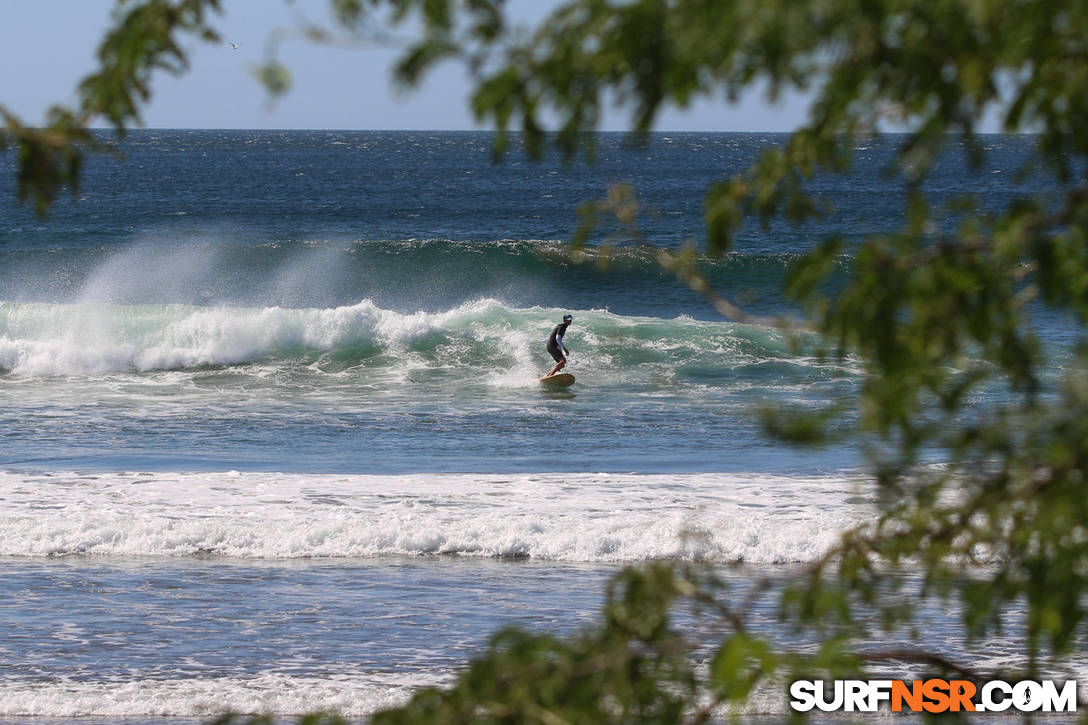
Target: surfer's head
x=567, y=319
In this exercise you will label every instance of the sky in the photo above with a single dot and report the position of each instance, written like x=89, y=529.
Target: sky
x=47, y=46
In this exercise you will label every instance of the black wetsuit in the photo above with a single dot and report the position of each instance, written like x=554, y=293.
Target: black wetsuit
x=555, y=341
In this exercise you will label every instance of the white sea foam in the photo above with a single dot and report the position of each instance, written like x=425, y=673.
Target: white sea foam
x=42, y=340
x=758, y=518
x=351, y=695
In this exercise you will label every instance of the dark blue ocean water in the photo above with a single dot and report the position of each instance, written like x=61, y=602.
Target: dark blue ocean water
x=270, y=430
x=377, y=302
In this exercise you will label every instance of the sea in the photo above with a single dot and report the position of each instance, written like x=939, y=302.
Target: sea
x=271, y=434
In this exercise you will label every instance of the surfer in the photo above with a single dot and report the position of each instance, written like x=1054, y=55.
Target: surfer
x=556, y=348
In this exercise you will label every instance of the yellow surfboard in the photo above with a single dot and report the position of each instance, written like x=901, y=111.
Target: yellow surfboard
x=561, y=380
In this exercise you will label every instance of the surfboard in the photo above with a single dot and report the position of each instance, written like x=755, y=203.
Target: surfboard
x=559, y=379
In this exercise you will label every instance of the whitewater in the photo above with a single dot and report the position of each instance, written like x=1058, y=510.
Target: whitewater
x=38, y=339
x=552, y=517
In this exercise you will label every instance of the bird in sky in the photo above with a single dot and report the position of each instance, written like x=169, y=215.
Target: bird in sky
x=234, y=45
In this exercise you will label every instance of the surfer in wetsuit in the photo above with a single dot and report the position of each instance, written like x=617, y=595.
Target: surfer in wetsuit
x=556, y=348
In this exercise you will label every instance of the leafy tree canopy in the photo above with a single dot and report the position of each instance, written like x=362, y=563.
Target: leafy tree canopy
x=935, y=315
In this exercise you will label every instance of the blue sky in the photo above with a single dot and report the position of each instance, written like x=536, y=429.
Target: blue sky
x=47, y=46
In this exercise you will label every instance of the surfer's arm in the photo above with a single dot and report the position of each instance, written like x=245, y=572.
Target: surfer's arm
x=562, y=345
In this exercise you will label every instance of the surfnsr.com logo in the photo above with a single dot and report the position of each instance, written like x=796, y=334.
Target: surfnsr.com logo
x=933, y=696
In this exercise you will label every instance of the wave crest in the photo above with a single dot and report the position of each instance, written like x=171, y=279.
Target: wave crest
x=42, y=339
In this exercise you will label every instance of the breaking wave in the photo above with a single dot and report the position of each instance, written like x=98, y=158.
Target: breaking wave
x=48, y=339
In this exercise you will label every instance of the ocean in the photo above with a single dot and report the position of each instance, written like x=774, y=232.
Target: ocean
x=271, y=436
